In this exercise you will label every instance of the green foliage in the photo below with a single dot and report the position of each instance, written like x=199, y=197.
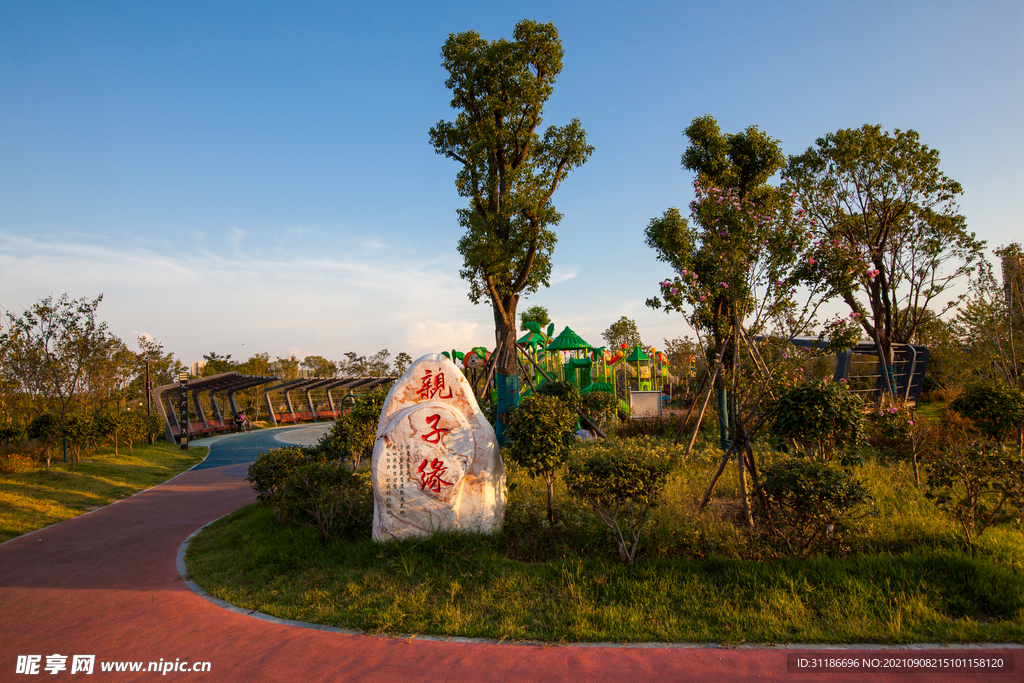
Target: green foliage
x=824, y=418
x=111, y=424
x=327, y=496
x=600, y=406
x=566, y=392
x=540, y=438
x=270, y=473
x=9, y=431
x=536, y=314
x=654, y=426
x=215, y=364
x=508, y=171
x=994, y=407
x=622, y=331
x=620, y=483
x=810, y=505
x=882, y=196
x=78, y=429
x=892, y=430
x=981, y=484
x=353, y=435
x=45, y=428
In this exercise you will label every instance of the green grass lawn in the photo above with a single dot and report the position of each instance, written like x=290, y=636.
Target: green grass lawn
x=36, y=498
x=905, y=576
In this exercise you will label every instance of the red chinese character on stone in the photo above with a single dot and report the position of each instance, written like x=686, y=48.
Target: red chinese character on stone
x=430, y=475
x=433, y=385
x=434, y=436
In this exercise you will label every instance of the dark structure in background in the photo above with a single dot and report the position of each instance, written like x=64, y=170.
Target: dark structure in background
x=910, y=362
x=211, y=419
x=325, y=409
x=228, y=383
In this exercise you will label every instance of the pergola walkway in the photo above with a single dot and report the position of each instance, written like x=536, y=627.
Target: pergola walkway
x=106, y=584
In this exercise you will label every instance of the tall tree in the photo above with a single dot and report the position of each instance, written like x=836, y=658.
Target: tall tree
x=509, y=172
x=622, y=331
x=216, y=364
x=49, y=348
x=882, y=196
x=536, y=314
x=319, y=366
x=738, y=269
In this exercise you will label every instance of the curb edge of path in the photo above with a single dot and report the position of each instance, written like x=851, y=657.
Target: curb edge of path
x=225, y=605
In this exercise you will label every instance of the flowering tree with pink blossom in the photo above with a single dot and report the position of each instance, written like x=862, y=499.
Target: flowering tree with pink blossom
x=883, y=198
x=750, y=277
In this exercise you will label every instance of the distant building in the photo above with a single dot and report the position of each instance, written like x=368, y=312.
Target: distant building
x=196, y=369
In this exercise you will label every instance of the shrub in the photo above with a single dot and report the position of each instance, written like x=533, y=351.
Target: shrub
x=648, y=426
x=10, y=431
x=995, y=408
x=12, y=463
x=45, y=429
x=270, y=473
x=327, y=496
x=111, y=424
x=620, y=482
x=810, y=505
x=981, y=484
x=823, y=418
x=566, y=392
x=154, y=427
x=599, y=406
x=78, y=428
x=352, y=437
x=540, y=438
x=135, y=427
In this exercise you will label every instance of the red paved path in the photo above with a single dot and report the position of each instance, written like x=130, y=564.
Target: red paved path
x=106, y=584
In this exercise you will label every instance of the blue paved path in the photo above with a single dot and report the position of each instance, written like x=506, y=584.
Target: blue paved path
x=236, y=449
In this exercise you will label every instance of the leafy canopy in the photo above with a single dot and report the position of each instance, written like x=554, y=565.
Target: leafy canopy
x=883, y=197
x=509, y=171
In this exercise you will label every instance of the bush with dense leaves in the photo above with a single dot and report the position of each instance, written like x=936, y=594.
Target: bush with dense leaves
x=352, y=437
x=112, y=424
x=824, y=418
x=10, y=431
x=994, y=408
x=540, y=438
x=810, y=505
x=599, y=406
x=270, y=473
x=893, y=431
x=46, y=430
x=981, y=484
x=620, y=481
x=327, y=496
x=566, y=392
x=78, y=429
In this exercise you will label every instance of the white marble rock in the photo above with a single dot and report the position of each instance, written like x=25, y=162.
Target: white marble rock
x=436, y=463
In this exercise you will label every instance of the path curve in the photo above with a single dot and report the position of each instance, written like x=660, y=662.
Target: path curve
x=107, y=584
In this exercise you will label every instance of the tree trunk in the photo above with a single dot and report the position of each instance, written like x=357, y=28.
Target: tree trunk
x=549, y=479
x=506, y=364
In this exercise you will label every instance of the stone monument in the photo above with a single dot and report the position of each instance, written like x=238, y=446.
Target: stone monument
x=436, y=463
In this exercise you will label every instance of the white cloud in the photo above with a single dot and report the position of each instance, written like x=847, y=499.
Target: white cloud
x=563, y=273
x=202, y=302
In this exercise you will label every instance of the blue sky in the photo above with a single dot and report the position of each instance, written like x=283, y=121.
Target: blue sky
x=246, y=177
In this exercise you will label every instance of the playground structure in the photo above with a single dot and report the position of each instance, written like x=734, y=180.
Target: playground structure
x=636, y=380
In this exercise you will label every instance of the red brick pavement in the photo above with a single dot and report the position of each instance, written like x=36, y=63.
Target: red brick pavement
x=106, y=584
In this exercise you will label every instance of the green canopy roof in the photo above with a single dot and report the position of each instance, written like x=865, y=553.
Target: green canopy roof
x=568, y=341
x=637, y=355
x=530, y=338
